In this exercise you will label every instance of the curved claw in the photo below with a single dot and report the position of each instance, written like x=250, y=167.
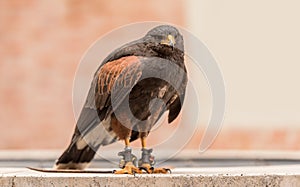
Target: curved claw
x=143, y=168
x=168, y=170
x=162, y=170
x=134, y=173
x=148, y=170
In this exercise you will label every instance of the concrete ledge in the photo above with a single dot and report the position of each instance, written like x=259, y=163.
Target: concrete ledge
x=188, y=180
x=215, y=176
x=214, y=168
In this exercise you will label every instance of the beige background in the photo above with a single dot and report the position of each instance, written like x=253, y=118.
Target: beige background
x=255, y=42
x=257, y=46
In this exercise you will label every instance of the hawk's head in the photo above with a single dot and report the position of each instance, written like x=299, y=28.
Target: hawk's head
x=166, y=35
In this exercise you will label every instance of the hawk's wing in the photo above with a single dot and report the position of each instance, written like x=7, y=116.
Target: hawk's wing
x=125, y=73
x=93, y=126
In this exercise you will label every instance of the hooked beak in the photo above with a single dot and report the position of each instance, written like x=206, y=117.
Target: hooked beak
x=170, y=41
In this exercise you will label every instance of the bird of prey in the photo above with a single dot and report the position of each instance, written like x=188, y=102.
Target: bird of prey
x=129, y=93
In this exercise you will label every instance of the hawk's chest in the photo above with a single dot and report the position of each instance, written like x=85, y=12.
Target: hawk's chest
x=148, y=95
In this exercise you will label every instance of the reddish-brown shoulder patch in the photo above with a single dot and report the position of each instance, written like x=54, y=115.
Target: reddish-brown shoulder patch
x=110, y=72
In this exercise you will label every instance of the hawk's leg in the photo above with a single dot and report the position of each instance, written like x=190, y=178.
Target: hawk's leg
x=147, y=161
x=128, y=162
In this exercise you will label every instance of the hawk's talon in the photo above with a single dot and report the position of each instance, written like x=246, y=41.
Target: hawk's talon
x=165, y=170
x=127, y=163
x=150, y=170
x=142, y=168
x=168, y=170
x=162, y=170
x=128, y=169
x=147, y=170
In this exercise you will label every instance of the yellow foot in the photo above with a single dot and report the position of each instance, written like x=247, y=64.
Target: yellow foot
x=129, y=168
x=149, y=169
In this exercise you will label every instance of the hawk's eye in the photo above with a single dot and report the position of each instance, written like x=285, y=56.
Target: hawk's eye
x=168, y=40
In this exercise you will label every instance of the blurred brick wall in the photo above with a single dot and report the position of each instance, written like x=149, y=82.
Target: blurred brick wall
x=41, y=45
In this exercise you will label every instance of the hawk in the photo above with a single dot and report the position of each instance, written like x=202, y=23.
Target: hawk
x=133, y=87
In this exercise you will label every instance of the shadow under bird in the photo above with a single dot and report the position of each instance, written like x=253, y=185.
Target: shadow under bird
x=129, y=93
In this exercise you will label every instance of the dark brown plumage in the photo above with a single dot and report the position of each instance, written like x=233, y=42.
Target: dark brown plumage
x=126, y=76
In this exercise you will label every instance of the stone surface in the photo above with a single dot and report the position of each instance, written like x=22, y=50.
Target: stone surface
x=231, y=176
x=189, y=168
